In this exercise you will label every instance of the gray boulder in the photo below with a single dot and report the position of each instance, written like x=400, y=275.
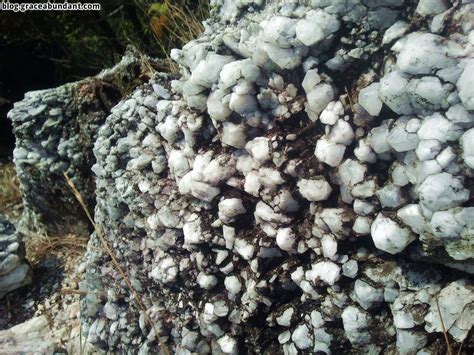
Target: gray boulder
x=54, y=131
x=14, y=270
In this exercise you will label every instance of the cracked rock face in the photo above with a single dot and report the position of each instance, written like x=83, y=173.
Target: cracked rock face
x=55, y=130
x=304, y=185
x=14, y=271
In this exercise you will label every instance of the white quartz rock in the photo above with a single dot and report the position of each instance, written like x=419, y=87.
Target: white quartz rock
x=428, y=94
x=309, y=32
x=252, y=184
x=350, y=269
x=178, y=163
x=426, y=168
x=341, y=133
x=369, y=99
x=442, y=191
x=364, y=152
x=318, y=98
x=444, y=224
x=316, y=27
x=351, y=172
x=218, y=170
x=286, y=239
x=413, y=217
x=423, y=53
x=367, y=295
x=447, y=156
x=428, y=149
x=409, y=341
x=259, y=148
x=193, y=233
x=334, y=220
x=329, y=152
x=166, y=271
x=363, y=208
x=169, y=129
x=206, y=282
x=329, y=246
x=389, y=236
x=436, y=127
x=234, y=134
x=464, y=84
x=264, y=212
x=364, y=189
x=452, y=301
x=326, y=271
x=390, y=196
x=270, y=178
x=230, y=208
x=218, y=105
x=285, y=58
x=244, y=248
x=332, y=112
x=362, y=225
x=228, y=344
x=400, y=139
x=395, y=31
x=311, y=79
x=244, y=105
x=356, y=322
x=301, y=337
x=285, y=318
x=232, y=284
x=431, y=7
x=393, y=92
x=378, y=139
x=279, y=30
x=467, y=144
x=232, y=72
x=198, y=189
x=207, y=71
x=399, y=175
x=314, y=189
x=458, y=115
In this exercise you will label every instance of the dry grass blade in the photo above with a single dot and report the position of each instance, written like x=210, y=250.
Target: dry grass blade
x=69, y=246
x=351, y=104
x=9, y=186
x=177, y=26
x=116, y=264
x=70, y=291
x=460, y=348
x=446, y=339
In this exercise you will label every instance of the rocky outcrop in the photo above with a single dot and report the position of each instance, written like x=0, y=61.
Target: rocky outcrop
x=14, y=271
x=55, y=130
x=306, y=185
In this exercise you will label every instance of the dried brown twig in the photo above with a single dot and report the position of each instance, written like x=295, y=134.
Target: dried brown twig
x=449, y=348
x=115, y=263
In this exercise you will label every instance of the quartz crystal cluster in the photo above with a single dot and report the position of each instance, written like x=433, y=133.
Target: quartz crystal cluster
x=305, y=185
x=55, y=130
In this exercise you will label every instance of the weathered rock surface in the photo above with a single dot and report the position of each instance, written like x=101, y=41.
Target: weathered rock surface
x=55, y=130
x=14, y=271
x=304, y=186
x=30, y=337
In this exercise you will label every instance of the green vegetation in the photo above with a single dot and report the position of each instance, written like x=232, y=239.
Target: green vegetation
x=82, y=43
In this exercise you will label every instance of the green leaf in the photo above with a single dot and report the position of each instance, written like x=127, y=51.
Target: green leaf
x=158, y=8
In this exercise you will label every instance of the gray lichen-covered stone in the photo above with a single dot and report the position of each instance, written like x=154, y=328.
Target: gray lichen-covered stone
x=14, y=270
x=256, y=207
x=55, y=130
